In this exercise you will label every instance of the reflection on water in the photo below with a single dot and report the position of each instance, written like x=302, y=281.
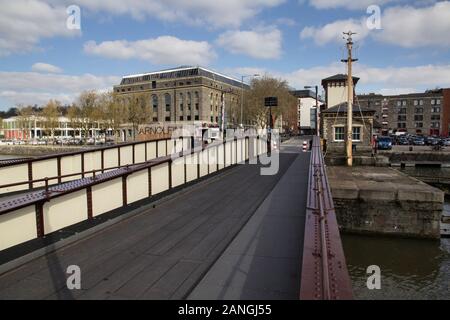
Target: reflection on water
x=410, y=269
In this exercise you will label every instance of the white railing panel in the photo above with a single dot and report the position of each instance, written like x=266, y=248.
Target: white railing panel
x=107, y=196
x=151, y=150
x=65, y=211
x=137, y=186
x=177, y=172
x=110, y=158
x=45, y=168
x=17, y=173
x=70, y=165
x=160, y=178
x=139, y=153
x=17, y=227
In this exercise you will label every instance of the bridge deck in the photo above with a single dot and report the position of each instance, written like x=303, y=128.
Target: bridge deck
x=165, y=251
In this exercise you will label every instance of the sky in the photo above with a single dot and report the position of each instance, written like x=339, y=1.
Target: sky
x=48, y=51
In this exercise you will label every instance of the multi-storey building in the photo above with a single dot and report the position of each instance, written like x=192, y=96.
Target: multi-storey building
x=186, y=94
x=425, y=113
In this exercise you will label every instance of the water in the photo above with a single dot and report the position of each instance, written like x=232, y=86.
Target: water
x=9, y=156
x=410, y=269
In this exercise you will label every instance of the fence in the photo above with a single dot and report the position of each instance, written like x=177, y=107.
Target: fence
x=26, y=174
x=39, y=213
x=324, y=270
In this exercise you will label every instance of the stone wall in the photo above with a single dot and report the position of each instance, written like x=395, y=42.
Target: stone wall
x=384, y=201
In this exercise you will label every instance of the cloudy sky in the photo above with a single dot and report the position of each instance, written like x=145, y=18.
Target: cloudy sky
x=298, y=40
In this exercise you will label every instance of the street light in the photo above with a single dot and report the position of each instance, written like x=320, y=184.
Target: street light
x=242, y=95
x=317, y=108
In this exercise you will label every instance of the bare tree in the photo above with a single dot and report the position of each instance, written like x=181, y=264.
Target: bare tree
x=138, y=110
x=254, y=110
x=87, y=102
x=51, y=116
x=113, y=114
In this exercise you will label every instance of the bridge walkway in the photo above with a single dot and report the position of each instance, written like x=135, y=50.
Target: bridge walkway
x=164, y=251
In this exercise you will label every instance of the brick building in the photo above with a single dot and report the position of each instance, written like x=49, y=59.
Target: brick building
x=425, y=113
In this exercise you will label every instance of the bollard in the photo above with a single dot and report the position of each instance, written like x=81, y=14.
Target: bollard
x=305, y=146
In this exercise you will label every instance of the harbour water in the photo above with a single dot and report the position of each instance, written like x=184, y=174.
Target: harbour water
x=9, y=156
x=410, y=269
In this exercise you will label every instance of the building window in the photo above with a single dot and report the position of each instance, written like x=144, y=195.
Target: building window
x=418, y=118
x=168, y=100
x=212, y=119
x=438, y=101
x=436, y=109
x=436, y=117
x=435, y=125
x=155, y=119
x=181, y=118
x=356, y=133
x=399, y=103
x=155, y=103
x=196, y=106
x=168, y=119
x=189, y=118
x=419, y=110
x=401, y=125
x=339, y=133
x=189, y=100
x=153, y=84
x=402, y=111
x=416, y=102
x=419, y=124
x=401, y=118
x=196, y=117
x=404, y=102
x=421, y=102
x=433, y=102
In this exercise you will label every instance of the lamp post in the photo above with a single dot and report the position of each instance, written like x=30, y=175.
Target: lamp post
x=317, y=108
x=242, y=95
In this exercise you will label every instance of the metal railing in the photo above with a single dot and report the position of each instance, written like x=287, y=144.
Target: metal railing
x=39, y=213
x=24, y=174
x=324, y=270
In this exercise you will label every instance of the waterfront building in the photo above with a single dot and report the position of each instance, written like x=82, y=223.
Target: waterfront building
x=37, y=127
x=425, y=113
x=334, y=116
x=186, y=95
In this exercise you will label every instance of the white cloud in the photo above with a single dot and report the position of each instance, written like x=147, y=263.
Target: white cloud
x=332, y=32
x=387, y=80
x=217, y=13
x=261, y=44
x=161, y=50
x=416, y=27
x=348, y=4
x=23, y=23
x=404, y=26
x=37, y=88
x=45, y=68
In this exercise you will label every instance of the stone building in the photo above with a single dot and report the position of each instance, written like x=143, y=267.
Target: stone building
x=425, y=113
x=335, y=127
x=186, y=95
x=334, y=117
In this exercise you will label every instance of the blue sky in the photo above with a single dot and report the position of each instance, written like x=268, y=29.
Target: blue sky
x=297, y=40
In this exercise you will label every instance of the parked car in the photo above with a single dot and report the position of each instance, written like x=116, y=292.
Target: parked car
x=446, y=142
x=384, y=143
x=419, y=141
